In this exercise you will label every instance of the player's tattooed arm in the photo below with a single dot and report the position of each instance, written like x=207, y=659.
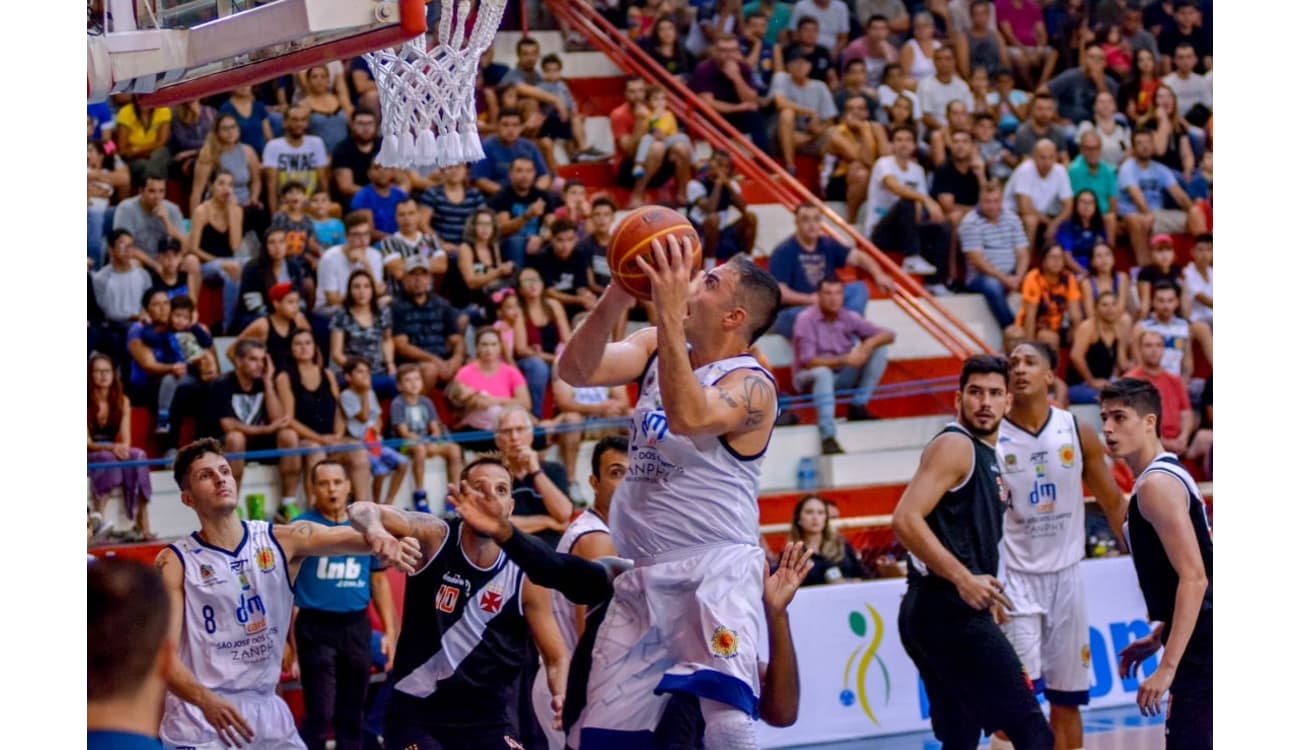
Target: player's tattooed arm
x=752, y=400
x=384, y=525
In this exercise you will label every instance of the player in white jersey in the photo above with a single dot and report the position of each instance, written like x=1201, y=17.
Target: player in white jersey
x=688, y=617
x=1046, y=457
x=587, y=537
x=230, y=586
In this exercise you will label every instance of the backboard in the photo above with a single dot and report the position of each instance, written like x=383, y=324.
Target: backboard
x=168, y=51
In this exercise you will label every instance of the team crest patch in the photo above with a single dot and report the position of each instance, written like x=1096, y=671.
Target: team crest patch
x=265, y=559
x=206, y=572
x=724, y=643
x=490, y=600
x=1086, y=655
x=1067, y=456
x=1011, y=462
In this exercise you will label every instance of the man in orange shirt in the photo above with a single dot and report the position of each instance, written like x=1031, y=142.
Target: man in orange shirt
x=1176, y=418
x=1048, y=293
x=628, y=122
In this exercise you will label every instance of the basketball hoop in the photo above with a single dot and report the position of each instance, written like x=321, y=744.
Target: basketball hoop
x=427, y=94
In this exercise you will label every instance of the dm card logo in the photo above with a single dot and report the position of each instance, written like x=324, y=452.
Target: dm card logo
x=856, y=669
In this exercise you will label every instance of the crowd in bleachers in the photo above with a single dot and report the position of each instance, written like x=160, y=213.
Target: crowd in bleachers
x=1005, y=148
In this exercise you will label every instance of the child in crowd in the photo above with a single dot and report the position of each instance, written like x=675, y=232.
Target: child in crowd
x=992, y=150
x=576, y=207
x=365, y=422
x=302, y=247
x=329, y=229
x=413, y=417
x=569, y=126
x=663, y=122
x=509, y=314
x=189, y=342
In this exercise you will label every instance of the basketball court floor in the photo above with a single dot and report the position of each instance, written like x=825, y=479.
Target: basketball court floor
x=1104, y=729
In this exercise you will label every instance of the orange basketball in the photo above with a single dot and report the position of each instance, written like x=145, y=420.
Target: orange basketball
x=633, y=237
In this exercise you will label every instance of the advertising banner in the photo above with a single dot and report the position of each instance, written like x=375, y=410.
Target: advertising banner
x=857, y=681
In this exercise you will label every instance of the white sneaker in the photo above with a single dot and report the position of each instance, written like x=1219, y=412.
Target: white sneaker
x=938, y=290
x=918, y=266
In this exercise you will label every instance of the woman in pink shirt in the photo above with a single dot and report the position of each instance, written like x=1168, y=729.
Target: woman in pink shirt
x=483, y=386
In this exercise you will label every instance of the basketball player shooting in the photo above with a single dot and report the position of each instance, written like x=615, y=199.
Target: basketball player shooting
x=687, y=618
x=231, y=592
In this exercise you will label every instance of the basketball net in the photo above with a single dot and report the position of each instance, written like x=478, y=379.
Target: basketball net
x=427, y=94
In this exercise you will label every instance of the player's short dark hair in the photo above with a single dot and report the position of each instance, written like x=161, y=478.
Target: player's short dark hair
x=487, y=459
x=604, y=200
x=183, y=302
x=1139, y=395
x=758, y=292
x=563, y=225
x=328, y=462
x=984, y=364
x=552, y=59
x=128, y=613
x=603, y=446
x=187, y=455
x=1045, y=350
x=1163, y=285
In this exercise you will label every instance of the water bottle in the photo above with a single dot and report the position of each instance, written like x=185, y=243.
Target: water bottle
x=256, y=506
x=807, y=476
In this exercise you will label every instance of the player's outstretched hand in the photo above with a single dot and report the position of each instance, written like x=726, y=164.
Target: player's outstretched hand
x=230, y=725
x=780, y=585
x=1137, y=652
x=670, y=275
x=982, y=592
x=477, y=512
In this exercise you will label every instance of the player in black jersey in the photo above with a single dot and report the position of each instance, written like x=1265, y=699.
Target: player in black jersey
x=1169, y=538
x=468, y=613
x=950, y=520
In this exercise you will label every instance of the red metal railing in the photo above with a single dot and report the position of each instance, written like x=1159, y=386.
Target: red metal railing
x=754, y=164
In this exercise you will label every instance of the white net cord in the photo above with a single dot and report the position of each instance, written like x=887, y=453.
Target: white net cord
x=428, y=117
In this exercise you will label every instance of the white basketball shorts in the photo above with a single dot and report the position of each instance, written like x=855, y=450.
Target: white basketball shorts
x=685, y=622
x=184, y=728
x=1049, y=630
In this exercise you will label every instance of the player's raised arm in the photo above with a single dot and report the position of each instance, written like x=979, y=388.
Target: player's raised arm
x=1102, y=483
x=384, y=525
x=945, y=463
x=230, y=726
x=744, y=400
x=590, y=358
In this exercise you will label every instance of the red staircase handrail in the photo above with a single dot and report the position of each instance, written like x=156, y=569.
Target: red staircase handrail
x=759, y=166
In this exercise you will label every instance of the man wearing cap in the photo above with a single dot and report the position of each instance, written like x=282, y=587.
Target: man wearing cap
x=427, y=330
x=805, y=109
